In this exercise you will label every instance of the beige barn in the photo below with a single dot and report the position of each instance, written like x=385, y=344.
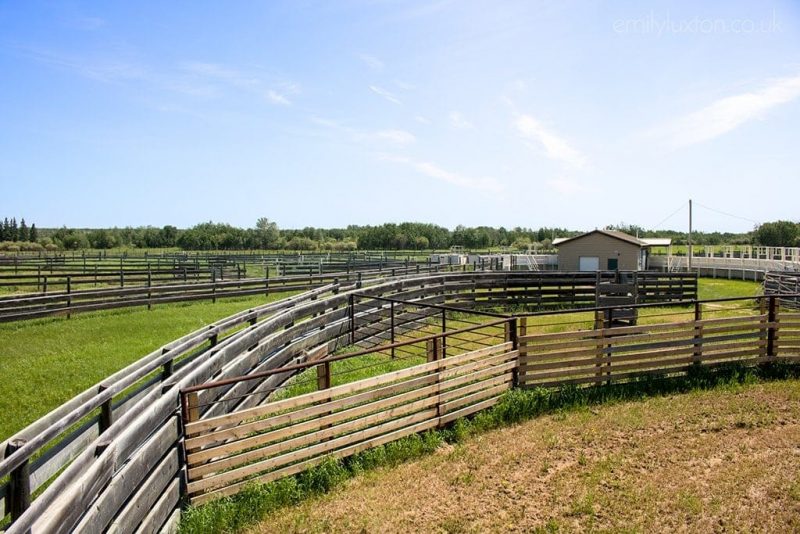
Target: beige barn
x=602, y=250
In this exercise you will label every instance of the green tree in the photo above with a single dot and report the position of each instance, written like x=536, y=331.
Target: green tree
x=168, y=236
x=267, y=234
x=778, y=234
x=101, y=239
x=24, y=233
x=33, y=234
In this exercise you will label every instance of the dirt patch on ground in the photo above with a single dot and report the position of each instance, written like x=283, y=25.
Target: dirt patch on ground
x=717, y=461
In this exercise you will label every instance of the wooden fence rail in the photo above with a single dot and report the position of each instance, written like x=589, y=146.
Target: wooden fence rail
x=257, y=444
x=540, y=289
x=669, y=349
x=119, y=466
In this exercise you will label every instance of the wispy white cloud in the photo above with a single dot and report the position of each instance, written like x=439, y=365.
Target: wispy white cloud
x=457, y=120
x=405, y=86
x=197, y=79
x=727, y=114
x=554, y=146
x=275, y=92
x=327, y=123
x=401, y=137
x=436, y=172
x=277, y=98
x=385, y=94
x=422, y=119
x=371, y=61
x=568, y=187
x=194, y=89
x=223, y=73
x=103, y=69
x=364, y=137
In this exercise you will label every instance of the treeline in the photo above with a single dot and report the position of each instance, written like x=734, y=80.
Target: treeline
x=266, y=235
x=769, y=234
x=13, y=232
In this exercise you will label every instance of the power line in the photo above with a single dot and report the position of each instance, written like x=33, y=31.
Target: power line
x=728, y=214
x=671, y=215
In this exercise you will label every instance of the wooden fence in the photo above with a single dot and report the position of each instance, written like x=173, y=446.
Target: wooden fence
x=108, y=459
x=543, y=290
x=607, y=355
x=120, y=436
x=782, y=282
x=288, y=436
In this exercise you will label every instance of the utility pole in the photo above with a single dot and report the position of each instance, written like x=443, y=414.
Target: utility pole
x=690, y=235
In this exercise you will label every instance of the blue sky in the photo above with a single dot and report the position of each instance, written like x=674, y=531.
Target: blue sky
x=572, y=114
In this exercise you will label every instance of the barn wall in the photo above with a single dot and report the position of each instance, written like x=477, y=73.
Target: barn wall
x=601, y=246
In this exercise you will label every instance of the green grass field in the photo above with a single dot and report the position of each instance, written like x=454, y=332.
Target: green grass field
x=46, y=362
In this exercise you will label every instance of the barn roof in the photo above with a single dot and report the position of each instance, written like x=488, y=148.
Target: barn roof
x=657, y=241
x=622, y=236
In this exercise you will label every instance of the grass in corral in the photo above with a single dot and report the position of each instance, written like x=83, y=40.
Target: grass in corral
x=45, y=362
x=718, y=288
x=564, y=470
x=51, y=360
x=380, y=362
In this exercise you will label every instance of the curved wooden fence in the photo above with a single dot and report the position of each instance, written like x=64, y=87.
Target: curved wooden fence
x=110, y=458
x=540, y=289
x=67, y=302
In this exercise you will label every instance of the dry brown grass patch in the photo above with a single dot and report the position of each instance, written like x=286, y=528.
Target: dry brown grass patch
x=711, y=461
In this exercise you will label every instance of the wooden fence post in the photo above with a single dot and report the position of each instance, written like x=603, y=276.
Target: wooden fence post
x=522, y=346
x=444, y=337
x=352, y=317
x=69, y=296
x=106, y=418
x=599, y=323
x=772, y=318
x=515, y=346
x=149, y=284
x=698, y=332
x=324, y=375
x=192, y=407
x=169, y=368
x=391, y=326
x=18, y=498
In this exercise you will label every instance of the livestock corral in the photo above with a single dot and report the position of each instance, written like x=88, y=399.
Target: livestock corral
x=354, y=359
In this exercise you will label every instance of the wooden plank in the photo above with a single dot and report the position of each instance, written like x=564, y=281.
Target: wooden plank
x=675, y=371
x=128, y=479
x=317, y=396
x=234, y=475
x=360, y=409
x=229, y=462
x=71, y=504
x=303, y=466
x=164, y=517
x=610, y=373
x=618, y=340
x=151, y=491
x=301, y=413
x=643, y=329
x=463, y=412
x=480, y=395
